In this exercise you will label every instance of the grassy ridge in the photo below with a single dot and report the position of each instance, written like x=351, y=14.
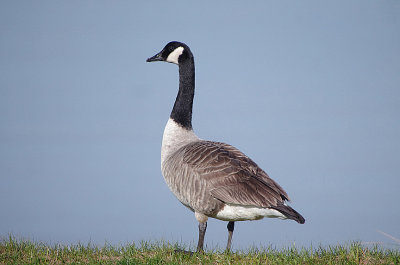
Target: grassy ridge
x=25, y=252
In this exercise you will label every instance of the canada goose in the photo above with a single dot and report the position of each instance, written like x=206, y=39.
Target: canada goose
x=212, y=179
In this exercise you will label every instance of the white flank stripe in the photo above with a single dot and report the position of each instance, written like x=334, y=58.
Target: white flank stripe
x=241, y=213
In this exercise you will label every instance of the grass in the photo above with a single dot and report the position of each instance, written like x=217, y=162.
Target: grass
x=14, y=251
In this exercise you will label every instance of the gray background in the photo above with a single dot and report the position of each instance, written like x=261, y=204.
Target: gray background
x=308, y=89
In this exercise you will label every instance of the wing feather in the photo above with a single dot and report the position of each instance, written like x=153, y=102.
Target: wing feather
x=231, y=176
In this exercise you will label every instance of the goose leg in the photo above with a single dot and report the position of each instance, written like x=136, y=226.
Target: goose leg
x=202, y=232
x=230, y=226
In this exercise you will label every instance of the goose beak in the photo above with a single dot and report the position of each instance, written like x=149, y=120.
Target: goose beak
x=156, y=57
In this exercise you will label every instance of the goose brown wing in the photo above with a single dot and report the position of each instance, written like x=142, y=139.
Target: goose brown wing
x=231, y=176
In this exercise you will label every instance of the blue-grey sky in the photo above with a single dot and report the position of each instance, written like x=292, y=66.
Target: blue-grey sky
x=310, y=90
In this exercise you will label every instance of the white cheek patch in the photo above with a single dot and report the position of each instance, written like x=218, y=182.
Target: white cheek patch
x=173, y=56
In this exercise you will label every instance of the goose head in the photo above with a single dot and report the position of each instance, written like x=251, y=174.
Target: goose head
x=174, y=52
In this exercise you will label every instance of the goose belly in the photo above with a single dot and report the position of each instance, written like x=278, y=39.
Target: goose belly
x=190, y=191
x=232, y=212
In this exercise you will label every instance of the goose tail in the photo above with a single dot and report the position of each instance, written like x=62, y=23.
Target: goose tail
x=290, y=213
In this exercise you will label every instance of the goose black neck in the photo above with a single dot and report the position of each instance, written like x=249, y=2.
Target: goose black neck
x=182, y=111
